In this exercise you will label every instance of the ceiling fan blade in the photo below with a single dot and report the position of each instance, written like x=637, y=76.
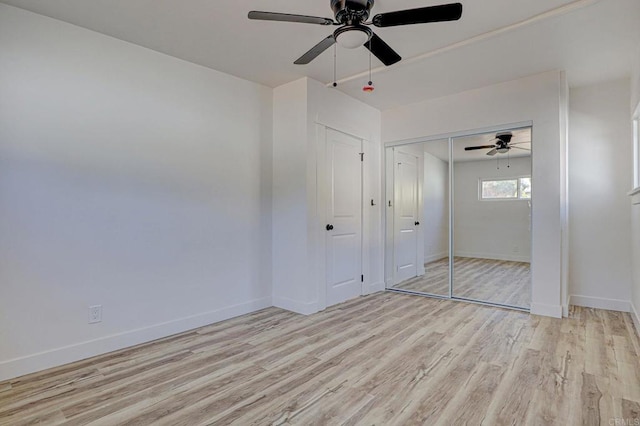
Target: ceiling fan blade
x=517, y=147
x=316, y=50
x=287, y=17
x=518, y=143
x=382, y=50
x=473, y=148
x=422, y=15
x=492, y=152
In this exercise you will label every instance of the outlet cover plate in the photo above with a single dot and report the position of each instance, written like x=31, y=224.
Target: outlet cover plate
x=95, y=314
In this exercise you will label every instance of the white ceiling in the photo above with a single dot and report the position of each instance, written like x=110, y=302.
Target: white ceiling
x=440, y=148
x=593, y=41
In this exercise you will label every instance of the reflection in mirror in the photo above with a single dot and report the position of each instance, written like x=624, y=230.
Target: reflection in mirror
x=418, y=217
x=492, y=192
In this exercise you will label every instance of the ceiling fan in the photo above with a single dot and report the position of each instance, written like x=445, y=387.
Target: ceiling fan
x=501, y=144
x=354, y=31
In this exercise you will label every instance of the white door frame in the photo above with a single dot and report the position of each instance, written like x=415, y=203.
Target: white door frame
x=321, y=213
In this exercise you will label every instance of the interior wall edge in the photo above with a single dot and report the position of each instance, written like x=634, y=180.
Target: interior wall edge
x=436, y=256
x=376, y=287
x=600, y=303
x=28, y=364
x=554, y=311
x=636, y=318
x=303, y=308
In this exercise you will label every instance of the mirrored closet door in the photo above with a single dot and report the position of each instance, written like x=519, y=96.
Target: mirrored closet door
x=492, y=217
x=418, y=217
x=458, y=217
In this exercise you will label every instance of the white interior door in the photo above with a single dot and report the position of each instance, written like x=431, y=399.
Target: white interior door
x=405, y=216
x=344, y=217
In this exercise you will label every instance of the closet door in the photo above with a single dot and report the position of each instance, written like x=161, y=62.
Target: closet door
x=406, y=220
x=418, y=184
x=344, y=217
x=492, y=218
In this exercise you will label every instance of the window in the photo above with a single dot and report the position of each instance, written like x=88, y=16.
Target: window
x=525, y=188
x=506, y=189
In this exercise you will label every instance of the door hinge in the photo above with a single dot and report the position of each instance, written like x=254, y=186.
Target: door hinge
x=361, y=278
x=362, y=156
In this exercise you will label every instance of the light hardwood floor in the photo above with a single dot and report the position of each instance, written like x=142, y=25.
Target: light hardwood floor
x=498, y=281
x=377, y=360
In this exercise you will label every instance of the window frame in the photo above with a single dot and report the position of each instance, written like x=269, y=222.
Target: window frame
x=518, y=197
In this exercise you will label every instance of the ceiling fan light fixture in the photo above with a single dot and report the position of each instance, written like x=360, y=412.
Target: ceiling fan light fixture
x=503, y=149
x=352, y=16
x=352, y=37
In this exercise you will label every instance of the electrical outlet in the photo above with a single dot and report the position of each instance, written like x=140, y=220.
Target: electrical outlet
x=95, y=314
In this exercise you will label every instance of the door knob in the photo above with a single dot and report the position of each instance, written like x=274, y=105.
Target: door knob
x=417, y=223
x=329, y=227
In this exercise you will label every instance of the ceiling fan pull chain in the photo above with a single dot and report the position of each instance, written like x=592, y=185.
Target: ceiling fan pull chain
x=335, y=61
x=370, y=82
x=369, y=86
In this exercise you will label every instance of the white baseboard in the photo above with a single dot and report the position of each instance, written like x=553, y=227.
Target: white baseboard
x=493, y=256
x=600, y=303
x=436, y=256
x=554, y=311
x=636, y=318
x=565, y=311
x=296, y=306
x=376, y=287
x=17, y=367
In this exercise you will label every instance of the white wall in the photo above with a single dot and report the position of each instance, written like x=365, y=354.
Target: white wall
x=129, y=179
x=537, y=99
x=435, y=222
x=635, y=200
x=302, y=109
x=599, y=177
x=495, y=229
x=635, y=81
x=290, y=209
x=635, y=259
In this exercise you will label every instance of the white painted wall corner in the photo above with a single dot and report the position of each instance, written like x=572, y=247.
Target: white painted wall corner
x=541, y=309
x=436, y=256
x=636, y=318
x=296, y=306
x=376, y=287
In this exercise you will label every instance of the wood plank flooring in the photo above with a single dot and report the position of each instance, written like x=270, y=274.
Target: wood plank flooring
x=497, y=281
x=384, y=359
